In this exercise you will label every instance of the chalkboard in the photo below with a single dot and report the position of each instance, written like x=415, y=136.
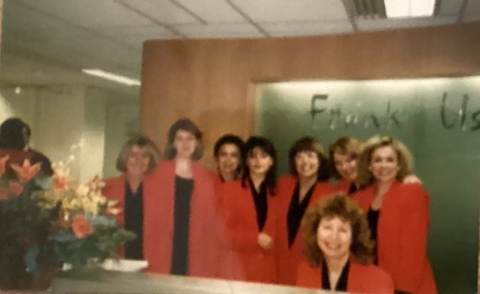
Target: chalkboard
x=438, y=118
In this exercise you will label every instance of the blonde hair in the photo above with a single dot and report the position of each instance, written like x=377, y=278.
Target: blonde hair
x=404, y=157
x=142, y=142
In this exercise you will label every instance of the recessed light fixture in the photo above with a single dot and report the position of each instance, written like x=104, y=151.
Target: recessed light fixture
x=111, y=76
x=409, y=8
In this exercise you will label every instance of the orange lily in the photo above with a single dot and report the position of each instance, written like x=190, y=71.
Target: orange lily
x=27, y=171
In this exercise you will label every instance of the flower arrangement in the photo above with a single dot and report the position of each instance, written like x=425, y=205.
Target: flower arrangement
x=46, y=222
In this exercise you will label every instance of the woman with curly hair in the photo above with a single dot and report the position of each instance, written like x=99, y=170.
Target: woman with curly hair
x=398, y=214
x=339, y=249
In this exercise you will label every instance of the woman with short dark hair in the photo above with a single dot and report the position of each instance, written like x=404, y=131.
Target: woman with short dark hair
x=339, y=249
x=303, y=186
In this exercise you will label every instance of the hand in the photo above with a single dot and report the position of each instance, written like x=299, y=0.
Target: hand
x=265, y=241
x=412, y=179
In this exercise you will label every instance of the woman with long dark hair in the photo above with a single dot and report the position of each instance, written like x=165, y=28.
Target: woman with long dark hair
x=249, y=209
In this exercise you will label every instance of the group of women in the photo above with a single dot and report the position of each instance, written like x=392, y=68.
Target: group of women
x=365, y=230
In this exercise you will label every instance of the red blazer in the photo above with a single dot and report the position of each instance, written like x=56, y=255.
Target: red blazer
x=341, y=185
x=288, y=257
x=241, y=256
x=158, y=192
x=402, y=235
x=361, y=278
x=115, y=190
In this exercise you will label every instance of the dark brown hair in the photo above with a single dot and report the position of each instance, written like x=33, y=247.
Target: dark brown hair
x=184, y=124
x=266, y=146
x=337, y=205
x=309, y=144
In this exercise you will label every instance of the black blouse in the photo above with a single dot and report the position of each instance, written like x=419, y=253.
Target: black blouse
x=372, y=216
x=296, y=210
x=183, y=195
x=133, y=220
x=342, y=282
x=260, y=200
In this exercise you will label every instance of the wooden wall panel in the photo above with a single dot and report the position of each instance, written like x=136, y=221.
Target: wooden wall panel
x=212, y=81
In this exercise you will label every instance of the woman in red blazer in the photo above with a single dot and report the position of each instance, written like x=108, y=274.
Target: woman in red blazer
x=180, y=208
x=344, y=155
x=249, y=209
x=138, y=156
x=398, y=214
x=339, y=249
x=308, y=166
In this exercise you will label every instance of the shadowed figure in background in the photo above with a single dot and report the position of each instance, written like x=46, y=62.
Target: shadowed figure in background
x=14, y=140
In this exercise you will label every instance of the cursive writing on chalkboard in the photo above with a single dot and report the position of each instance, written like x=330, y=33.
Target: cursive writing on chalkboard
x=338, y=117
x=460, y=117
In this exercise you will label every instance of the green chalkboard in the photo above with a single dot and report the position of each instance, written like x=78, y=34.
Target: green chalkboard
x=438, y=118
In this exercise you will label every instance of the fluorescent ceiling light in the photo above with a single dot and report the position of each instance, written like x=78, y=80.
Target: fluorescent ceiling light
x=111, y=76
x=409, y=8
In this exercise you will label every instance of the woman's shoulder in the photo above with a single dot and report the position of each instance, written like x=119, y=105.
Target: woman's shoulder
x=308, y=276
x=373, y=279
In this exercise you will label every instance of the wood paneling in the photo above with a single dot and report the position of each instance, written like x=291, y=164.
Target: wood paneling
x=212, y=81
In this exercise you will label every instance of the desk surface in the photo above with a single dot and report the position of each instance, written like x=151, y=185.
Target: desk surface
x=147, y=283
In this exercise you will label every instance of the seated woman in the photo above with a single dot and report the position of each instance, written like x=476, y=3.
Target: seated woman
x=138, y=156
x=339, y=249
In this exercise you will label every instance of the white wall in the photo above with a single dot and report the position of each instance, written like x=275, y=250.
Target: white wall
x=122, y=123
x=64, y=116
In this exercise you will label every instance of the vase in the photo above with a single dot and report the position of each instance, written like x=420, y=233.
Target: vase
x=39, y=283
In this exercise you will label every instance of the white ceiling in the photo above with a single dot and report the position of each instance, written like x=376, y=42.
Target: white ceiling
x=68, y=35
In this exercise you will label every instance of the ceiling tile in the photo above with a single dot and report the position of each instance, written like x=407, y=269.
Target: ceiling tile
x=17, y=16
x=148, y=31
x=227, y=30
x=163, y=11
x=284, y=29
x=472, y=11
x=385, y=24
x=450, y=7
x=292, y=10
x=88, y=13
x=213, y=11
